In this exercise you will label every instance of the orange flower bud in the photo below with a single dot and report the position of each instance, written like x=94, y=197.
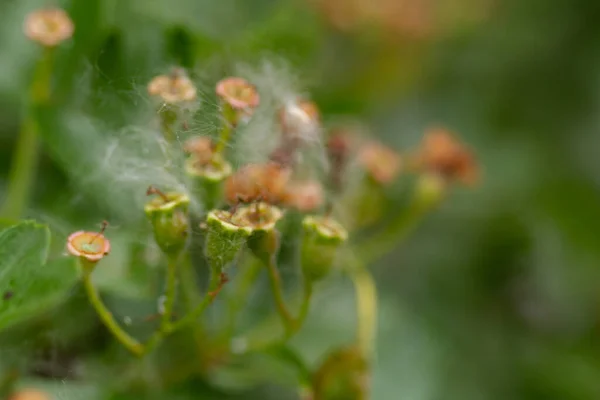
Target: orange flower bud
x=174, y=88
x=92, y=246
x=49, y=27
x=445, y=156
x=304, y=196
x=201, y=148
x=238, y=93
x=257, y=182
x=382, y=163
x=29, y=394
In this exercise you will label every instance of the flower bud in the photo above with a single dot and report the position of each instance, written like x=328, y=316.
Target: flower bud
x=168, y=214
x=207, y=179
x=262, y=217
x=49, y=27
x=322, y=239
x=344, y=375
x=239, y=98
x=90, y=247
x=29, y=394
x=224, y=238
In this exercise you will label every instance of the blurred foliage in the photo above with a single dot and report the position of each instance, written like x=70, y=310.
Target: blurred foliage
x=494, y=297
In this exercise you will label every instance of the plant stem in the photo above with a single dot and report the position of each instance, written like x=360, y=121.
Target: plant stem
x=366, y=308
x=170, y=292
x=24, y=163
x=227, y=128
x=22, y=171
x=107, y=318
x=399, y=227
x=275, y=279
x=216, y=284
x=244, y=282
x=304, y=306
x=217, y=280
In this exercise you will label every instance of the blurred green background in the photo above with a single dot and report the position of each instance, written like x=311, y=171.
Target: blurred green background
x=495, y=296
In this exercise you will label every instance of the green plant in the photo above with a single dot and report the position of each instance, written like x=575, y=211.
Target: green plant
x=228, y=220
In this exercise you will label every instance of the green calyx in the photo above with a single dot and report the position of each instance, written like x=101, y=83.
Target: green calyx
x=207, y=179
x=322, y=239
x=168, y=215
x=263, y=217
x=224, y=238
x=344, y=375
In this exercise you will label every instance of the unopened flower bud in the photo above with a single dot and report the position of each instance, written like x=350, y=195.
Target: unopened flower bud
x=175, y=88
x=262, y=218
x=90, y=247
x=224, y=238
x=300, y=121
x=168, y=214
x=208, y=176
x=344, y=375
x=239, y=98
x=381, y=163
x=322, y=238
x=304, y=196
x=29, y=394
x=257, y=182
x=443, y=155
x=49, y=27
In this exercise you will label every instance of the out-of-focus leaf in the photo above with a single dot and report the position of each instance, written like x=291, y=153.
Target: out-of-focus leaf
x=28, y=284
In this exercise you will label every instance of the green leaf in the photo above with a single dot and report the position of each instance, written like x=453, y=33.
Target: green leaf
x=28, y=284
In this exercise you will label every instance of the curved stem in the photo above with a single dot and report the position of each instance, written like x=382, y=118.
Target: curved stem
x=24, y=162
x=217, y=280
x=244, y=282
x=22, y=171
x=304, y=306
x=366, y=309
x=275, y=279
x=170, y=292
x=107, y=318
x=229, y=118
x=400, y=226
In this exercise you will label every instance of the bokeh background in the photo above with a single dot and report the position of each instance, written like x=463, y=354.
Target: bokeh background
x=494, y=296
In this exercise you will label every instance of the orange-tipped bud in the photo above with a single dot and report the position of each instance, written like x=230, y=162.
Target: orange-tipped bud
x=49, y=27
x=238, y=93
x=257, y=182
x=174, y=88
x=442, y=154
x=382, y=163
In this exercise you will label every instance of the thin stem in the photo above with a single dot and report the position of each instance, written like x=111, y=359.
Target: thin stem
x=217, y=280
x=187, y=277
x=24, y=162
x=275, y=279
x=22, y=171
x=398, y=228
x=305, y=305
x=170, y=292
x=366, y=308
x=107, y=318
x=226, y=129
x=244, y=282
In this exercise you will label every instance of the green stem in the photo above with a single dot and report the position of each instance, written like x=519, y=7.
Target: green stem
x=22, y=171
x=170, y=292
x=107, y=318
x=215, y=286
x=187, y=277
x=24, y=163
x=244, y=282
x=366, y=308
x=304, y=307
x=399, y=227
x=227, y=128
x=275, y=279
